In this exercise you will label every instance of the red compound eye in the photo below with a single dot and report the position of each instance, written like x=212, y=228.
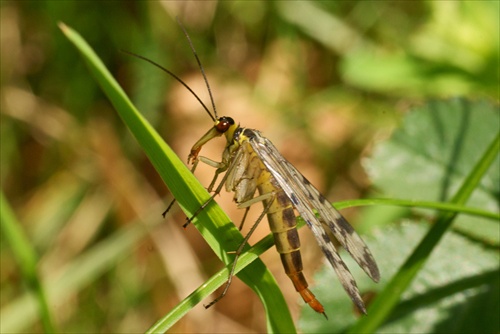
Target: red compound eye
x=224, y=124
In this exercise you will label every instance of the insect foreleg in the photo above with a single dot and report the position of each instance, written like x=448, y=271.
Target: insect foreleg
x=212, y=163
x=168, y=208
x=195, y=164
x=271, y=197
x=223, y=168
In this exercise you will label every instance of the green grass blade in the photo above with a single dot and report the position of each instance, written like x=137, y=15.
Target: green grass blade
x=214, y=225
x=26, y=258
x=216, y=281
x=387, y=300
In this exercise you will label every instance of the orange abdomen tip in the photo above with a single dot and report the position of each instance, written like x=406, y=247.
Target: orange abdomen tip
x=310, y=299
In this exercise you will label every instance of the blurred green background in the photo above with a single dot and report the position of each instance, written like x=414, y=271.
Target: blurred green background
x=322, y=80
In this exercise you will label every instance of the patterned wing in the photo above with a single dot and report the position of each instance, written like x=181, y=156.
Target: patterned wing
x=305, y=198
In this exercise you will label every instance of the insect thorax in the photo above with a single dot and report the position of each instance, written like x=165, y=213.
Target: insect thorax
x=248, y=173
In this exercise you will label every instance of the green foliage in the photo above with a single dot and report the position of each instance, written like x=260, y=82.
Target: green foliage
x=437, y=145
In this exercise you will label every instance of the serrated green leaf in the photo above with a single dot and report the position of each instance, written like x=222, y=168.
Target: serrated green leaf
x=385, y=304
x=431, y=153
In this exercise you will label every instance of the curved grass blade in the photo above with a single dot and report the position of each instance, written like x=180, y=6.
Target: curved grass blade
x=214, y=225
x=213, y=283
x=27, y=259
x=441, y=206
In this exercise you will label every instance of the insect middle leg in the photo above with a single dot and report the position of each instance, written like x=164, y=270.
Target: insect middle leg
x=221, y=168
x=269, y=198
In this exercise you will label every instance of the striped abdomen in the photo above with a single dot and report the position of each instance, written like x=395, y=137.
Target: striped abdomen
x=282, y=223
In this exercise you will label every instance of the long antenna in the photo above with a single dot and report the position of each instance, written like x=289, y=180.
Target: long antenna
x=200, y=66
x=175, y=77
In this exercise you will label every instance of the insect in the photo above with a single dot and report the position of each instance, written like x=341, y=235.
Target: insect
x=251, y=164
